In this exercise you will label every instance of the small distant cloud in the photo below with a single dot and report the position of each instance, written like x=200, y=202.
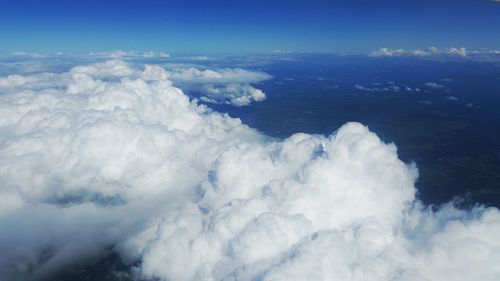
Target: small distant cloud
x=200, y=58
x=363, y=88
x=431, y=51
x=386, y=52
x=385, y=87
x=434, y=85
x=426, y=102
x=118, y=54
x=19, y=53
x=277, y=51
x=452, y=98
x=28, y=54
x=462, y=52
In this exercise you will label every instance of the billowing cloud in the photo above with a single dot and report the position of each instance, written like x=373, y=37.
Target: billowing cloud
x=110, y=156
x=229, y=86
x=234, y=94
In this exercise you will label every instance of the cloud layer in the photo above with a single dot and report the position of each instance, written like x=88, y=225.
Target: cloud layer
x=108, y=155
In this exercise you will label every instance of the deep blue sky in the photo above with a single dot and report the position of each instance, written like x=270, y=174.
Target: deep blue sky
x=246, y=26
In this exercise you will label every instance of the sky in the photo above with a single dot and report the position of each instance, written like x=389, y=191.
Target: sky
x=221, y=26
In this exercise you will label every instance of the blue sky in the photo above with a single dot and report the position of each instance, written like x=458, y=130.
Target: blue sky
x=246, y=26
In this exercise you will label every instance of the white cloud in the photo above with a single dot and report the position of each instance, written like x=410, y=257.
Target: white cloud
x=431, y=51
x=229, y=86
x=120, y=54
x=81, y=149
x=385, y=87
x=109, y=155
x=434, y=85
x=386, y=52
x=363, y=88
x=458, y=52
x=232, y=75
x=234, y=94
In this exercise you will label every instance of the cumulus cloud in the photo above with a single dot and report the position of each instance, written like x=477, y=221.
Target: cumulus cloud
x=82, y=148
x=108, y=155
x=228, y=86
x=234, y=94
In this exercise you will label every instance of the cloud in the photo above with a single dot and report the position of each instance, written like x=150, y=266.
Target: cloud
x=386, y=87
x=108, y=155
x=120, y=54
x=234, y=94
x=431, y=51
x=426, y=102
x=458, y=52
x=80, y=149
x=386, y=52
x=228, y=86
x=363, y=88
x=434, y=85
x=233, y=75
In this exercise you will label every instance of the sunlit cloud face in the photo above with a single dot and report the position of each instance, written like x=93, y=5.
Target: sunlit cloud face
x=108, y=155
